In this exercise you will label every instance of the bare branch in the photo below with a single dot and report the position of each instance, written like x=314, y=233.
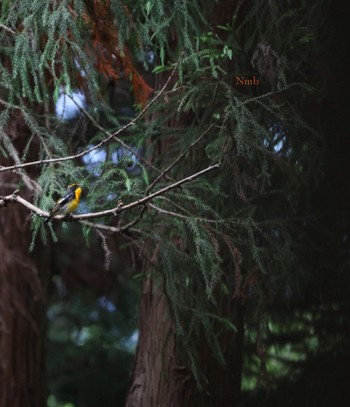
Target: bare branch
x=181, y=216
x=107, y=252
x=30, y=184
x=14, y=197
x=112, y=229
x=4, y=27
x=115, y=211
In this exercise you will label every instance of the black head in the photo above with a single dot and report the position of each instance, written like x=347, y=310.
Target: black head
x=73, y=187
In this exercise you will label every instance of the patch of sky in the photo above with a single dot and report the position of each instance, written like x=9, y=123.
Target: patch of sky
x=150, y=57
x=111, y=197
x=277, y=142
x=106, y=304
x=60, y=286
x=67, y=106
x=94, y=159
x=129, y=343
x=121, y=156
x=129, y=159
x=94, y=315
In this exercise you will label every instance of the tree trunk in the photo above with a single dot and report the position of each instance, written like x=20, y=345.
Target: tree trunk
x=160, y=378
x=22, y=305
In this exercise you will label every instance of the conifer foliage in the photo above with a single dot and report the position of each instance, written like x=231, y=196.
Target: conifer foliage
x=222, y=238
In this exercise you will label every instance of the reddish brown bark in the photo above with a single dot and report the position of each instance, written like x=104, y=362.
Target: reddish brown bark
x=155, y=351
x=161, y=376
x=22, y=308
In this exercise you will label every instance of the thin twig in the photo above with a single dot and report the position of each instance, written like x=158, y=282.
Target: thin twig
x=107, y=252
x=112, y=229
x=7, y=29
x=30, y=184
x=267, y=94
x=181, y=216
x=164, y=172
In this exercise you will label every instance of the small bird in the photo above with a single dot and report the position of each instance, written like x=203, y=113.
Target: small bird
x=68, y=203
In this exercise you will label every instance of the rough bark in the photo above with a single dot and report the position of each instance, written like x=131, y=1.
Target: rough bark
x=155, y=352
x=161, y=378
x=22, y=304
